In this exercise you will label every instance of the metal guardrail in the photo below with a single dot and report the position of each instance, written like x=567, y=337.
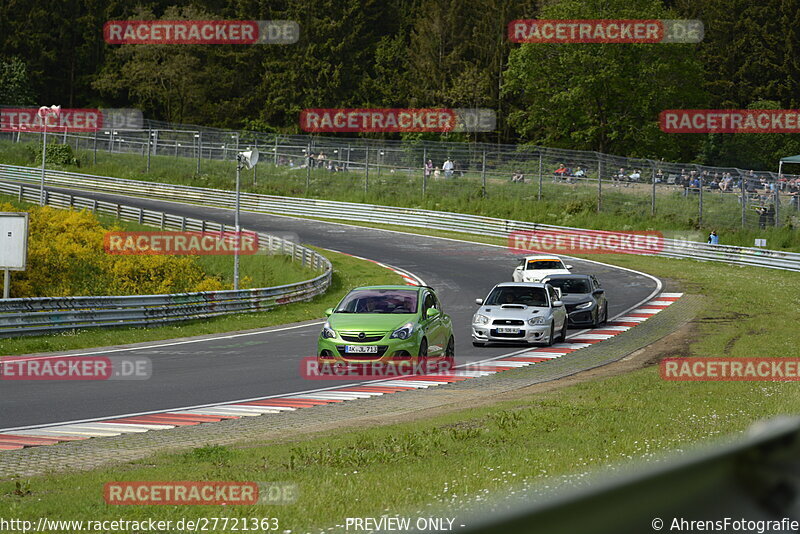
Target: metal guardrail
x=25, y=316
x=437, y=220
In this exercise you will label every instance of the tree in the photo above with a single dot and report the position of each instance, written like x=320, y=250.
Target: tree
x=604, y=97
x=15, y=87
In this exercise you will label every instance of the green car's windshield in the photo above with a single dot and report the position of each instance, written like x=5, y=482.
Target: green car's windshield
x=571, y=285
x=528, y=296
x=379, y=301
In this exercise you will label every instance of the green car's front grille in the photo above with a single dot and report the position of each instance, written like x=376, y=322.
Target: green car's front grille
x=368, y=337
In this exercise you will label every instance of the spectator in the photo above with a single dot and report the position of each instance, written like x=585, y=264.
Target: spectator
x=580, y=173
x=428, y=168
x=447, y=167
x=635, y=175
x=321, y=160
x=518, y=177
x=659, y=176
x=436, y=172
x=713, y=238
x=311, y=160
x=560, y=172
x=762, y=217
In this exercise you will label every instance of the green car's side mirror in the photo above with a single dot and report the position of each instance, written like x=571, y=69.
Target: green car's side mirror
x=328, y=312
x=430, y=313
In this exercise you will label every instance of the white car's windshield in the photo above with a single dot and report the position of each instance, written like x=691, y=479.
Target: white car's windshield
x=379, y=301
x=537, y=265
x=528, y=296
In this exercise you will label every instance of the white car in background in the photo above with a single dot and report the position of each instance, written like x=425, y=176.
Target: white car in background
x=537, y=268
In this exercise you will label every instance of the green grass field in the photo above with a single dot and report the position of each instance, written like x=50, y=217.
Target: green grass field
x=623, y=208
x=449, y=460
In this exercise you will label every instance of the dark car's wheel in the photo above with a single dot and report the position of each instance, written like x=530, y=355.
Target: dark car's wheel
x=563, y=336
x=596, y=318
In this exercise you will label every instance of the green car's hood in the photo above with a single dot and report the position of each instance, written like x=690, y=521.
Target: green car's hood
x=372, y=322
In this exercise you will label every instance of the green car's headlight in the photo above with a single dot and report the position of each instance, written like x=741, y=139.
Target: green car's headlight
x=535, y=320
x=480, y=319
x=404, y=332
x=328, y=332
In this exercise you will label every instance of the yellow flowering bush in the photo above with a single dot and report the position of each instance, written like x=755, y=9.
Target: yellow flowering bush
x=66, y=257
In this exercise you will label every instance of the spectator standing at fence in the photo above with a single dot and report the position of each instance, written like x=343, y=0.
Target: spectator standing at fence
x=428, y=168
x=713, y=238
x=311, y=160
x=447, y=167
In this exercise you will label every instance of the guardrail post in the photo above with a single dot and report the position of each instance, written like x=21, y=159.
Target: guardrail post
x=141, y=215
x=700, y=204
x=94, y=205
x=21, y=193
x=71, y=201
x=119, y=211
x=203, y=226
x=777, y=206
x=309, y=162
x=163, y=219
x=366, y=175
x=424, y=170
x=539, y=197
x=653, y=199
x=94, y=158
x=599, y=183
x=183, y=223
x=483, y=174
x=149, y=138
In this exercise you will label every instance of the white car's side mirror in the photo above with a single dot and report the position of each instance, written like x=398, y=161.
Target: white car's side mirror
x=478, y=301
x=568, y=266
x=557, y=303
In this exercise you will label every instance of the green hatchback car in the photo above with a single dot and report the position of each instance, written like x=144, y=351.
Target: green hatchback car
x=386, y=324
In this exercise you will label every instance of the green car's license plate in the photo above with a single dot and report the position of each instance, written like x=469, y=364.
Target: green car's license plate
x=361, y=349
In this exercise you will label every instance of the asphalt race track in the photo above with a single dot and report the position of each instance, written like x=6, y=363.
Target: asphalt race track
x=227, y=368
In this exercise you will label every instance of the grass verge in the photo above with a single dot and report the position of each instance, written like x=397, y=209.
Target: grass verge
x=624, y=208
x=453, y=459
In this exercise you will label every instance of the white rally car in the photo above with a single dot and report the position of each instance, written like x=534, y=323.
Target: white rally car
x=536, y=268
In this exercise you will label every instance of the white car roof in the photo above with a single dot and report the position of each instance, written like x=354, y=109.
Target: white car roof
x=550, y=258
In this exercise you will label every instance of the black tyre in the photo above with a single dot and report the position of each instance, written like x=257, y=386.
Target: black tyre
x=550, y=337
x=563, y=336
x=423, y=348
x=450, y=351
x=605, y=315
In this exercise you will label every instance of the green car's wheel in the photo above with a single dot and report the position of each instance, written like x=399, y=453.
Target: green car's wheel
x=423, y=348
x=450, y=351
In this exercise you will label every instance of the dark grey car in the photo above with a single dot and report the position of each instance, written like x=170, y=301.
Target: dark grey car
x=583, y=296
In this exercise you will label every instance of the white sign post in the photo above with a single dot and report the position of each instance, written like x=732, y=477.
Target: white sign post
x=13, y=246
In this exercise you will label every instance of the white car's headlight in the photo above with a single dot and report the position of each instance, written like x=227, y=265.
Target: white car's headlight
x=533, y=321
x=480, y=319
x=404, y=332
x=328, y=332
x=584, y=305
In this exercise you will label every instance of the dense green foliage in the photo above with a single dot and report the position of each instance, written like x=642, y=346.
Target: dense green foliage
x=407, y=53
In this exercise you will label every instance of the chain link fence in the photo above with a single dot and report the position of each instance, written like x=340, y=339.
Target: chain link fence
x=328, y=167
